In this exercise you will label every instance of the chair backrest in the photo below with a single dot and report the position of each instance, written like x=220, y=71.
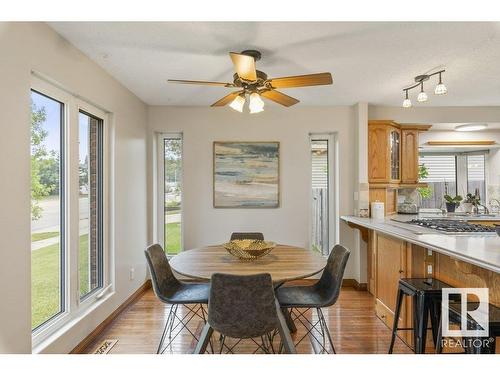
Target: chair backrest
x=242, y=306
x=162, y=277
x=331, y=279
x=247, y=236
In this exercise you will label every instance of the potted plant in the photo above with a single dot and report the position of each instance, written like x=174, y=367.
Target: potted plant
x=470, y=201
x=452, y=203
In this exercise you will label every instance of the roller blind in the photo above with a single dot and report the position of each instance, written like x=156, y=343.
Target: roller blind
x=441, y=168
x=319, y=164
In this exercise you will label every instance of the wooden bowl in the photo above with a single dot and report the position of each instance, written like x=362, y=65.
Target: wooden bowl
x=249, y=249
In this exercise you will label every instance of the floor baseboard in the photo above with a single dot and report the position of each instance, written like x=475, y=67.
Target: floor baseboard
x=83, y=345
x=353, y=283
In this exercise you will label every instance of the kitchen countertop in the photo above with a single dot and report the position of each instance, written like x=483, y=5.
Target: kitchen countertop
x=482, y=250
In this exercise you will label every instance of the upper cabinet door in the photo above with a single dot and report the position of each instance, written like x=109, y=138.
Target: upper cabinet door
x=409, y=162
x=378, y=153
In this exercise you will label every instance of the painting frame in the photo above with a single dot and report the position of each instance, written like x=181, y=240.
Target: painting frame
x=217, y=204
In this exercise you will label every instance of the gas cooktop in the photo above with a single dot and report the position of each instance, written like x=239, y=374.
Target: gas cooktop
x=452, y=226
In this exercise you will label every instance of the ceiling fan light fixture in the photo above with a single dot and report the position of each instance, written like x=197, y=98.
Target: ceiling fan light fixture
x=238, y=103
x=256, y=103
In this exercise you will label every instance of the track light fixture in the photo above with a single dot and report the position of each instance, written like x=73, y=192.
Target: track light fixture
x=419, y=81
x=407, y=101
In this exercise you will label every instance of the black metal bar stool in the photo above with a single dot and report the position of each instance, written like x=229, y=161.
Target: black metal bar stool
x=426, y=294
x=475, y=345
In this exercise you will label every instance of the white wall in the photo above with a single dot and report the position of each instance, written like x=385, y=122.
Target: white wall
x=289, y=223
x=35, y=46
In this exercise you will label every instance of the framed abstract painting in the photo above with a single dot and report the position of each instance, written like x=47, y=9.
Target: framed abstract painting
x=246, y=174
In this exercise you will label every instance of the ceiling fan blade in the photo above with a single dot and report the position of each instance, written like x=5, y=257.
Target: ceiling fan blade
x=208, y=83
x=301, y=81
x=279, y=97
x=226, y=99
x=244, y=66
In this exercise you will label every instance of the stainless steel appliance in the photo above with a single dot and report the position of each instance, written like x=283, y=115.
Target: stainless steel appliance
x=452, y=226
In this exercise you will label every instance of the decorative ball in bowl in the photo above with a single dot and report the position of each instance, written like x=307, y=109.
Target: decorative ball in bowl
x=249, y=249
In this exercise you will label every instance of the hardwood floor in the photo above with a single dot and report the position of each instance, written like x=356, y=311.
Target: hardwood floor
x=352, y=323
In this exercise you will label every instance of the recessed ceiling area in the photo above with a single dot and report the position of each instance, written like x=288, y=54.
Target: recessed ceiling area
x=449, y=126
x=370, y=61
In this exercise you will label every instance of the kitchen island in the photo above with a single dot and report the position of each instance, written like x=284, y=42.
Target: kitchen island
x=396, y=249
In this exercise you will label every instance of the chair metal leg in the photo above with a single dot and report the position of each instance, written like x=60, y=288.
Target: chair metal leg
x=325, y=328
x=165, y=330
x=422, y=313
x=289, y=321
x=399, y=301
x=205, y=336
x=284, y=332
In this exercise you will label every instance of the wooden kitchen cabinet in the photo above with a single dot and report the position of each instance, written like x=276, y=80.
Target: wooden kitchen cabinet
x=391, y=264
x=392, y=160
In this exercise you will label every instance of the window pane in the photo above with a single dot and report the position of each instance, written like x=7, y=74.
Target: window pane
x=320, y=204
x=441, y=179
x=90, y=203
x=172, y=209
x=476, y=176
x=47, y=252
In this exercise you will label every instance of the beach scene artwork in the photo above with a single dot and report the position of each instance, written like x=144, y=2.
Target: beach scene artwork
x=246, y=174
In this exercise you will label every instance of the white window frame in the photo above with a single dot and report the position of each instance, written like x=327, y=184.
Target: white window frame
x=75, y=308
x=333, y=187
x=160, y=187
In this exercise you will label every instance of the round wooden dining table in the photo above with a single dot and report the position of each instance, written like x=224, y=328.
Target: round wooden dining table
x=284, y=263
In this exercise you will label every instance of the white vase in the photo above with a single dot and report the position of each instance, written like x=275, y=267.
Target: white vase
x=467, y=207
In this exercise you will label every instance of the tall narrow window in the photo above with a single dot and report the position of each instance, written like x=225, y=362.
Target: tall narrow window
x=90, y=266
x=320, y=173
x=172, y=157
x=476, y=176
x=47, y=209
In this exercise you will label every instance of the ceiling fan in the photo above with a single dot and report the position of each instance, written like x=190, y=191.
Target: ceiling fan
x=255, y=84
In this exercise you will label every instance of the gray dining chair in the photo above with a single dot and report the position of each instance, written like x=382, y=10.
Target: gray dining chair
x=247, y=236
x=171, y=291
x=244, y=307
x=298, y=300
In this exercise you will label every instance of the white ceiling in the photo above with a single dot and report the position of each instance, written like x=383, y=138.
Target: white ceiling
x=370, y=61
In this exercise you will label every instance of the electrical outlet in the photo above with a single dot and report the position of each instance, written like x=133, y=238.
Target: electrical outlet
x=132, y=273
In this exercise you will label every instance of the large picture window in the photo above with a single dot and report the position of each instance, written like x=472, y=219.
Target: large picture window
x=68, y=241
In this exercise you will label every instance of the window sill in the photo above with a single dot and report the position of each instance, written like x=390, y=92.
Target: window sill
x=70, y=322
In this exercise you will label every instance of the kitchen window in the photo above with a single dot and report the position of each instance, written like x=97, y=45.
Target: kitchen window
x=453, y=174
x=69, y=257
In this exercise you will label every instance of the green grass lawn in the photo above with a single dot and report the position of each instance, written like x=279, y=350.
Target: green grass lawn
x=43, y=236
x=45, y=274
x=173, y=237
